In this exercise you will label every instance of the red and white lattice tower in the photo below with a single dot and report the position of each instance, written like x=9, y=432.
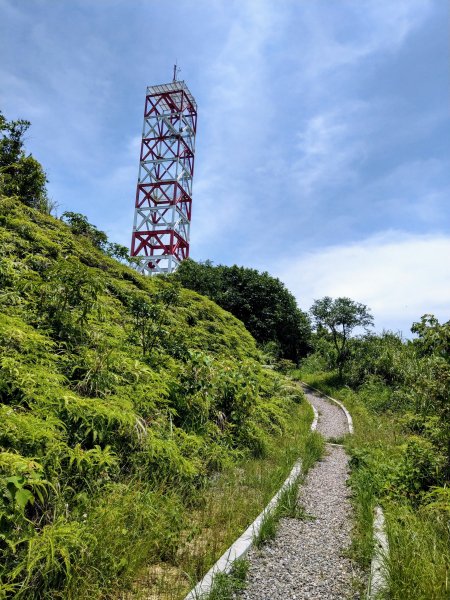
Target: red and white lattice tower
x=164, y=191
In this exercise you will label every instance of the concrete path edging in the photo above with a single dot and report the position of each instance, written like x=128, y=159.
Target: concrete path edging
x=377, y=577
x=243, y=544
x=316, y=418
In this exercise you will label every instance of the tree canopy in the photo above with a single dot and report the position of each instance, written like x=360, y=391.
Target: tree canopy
x=262, y=302
x=339, y=318
x=21, y=175
x=80, y=225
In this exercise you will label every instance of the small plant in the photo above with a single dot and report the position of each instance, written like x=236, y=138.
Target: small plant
x=225, y=585
x=289, y=505
x=268, y=528
x=69, y=296
x=313, y=451
x=150, y=318
x=339, y=441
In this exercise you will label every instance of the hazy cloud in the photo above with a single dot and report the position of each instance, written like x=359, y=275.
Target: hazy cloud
x=398, y=275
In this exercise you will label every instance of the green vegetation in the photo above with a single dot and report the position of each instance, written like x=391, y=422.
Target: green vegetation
x=226, y=585
x=21, y=175
x=225, y=507
x=80, y=226
x=267, y=309
x=338, y=318
x=288, y=505
x=121, y=398
x=140, y=432
x=398, y=393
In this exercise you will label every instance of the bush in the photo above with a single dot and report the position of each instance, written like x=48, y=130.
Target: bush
x=267, y=309
x=21, y=176
x=119, y=396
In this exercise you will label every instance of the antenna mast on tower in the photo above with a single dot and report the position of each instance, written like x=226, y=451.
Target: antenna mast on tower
x=163, y=204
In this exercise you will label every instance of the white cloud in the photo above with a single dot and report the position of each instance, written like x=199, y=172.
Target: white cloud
x=235, y=120
x=399, y=276
x=331, y=145
x=381, y=26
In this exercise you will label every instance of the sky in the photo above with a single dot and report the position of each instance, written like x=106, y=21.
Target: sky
x=323, y=138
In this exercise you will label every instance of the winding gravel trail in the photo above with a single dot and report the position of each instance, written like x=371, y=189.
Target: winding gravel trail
x=307, y=559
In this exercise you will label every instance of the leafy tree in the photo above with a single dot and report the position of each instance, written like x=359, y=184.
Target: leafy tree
x=81, y=226
x=429, y=386
x=20, y=174
x=267, y=309
x=119, y=252
x=433, y=338
x=339, y=318
x=385, y=357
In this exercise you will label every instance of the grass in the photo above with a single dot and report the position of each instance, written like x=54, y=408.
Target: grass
x=223, y=510
x=225, y=585
x=288, y=505
x=339, y=441
x=418, y=566
x=121, y=399
x=419, y=562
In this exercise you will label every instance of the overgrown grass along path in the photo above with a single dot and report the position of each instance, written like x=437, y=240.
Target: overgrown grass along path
x=222, y=511
x=309, y=556
x=418, y=567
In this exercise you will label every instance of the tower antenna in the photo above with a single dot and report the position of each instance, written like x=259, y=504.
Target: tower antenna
x=176, y=70
x=163, y=204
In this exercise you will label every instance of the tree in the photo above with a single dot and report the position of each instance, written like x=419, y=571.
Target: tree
x=20, y=174
x=429, y=385
x=339, y=318
x=81, y=226
x=267, y=309
x=433, y=338
x=121, y=253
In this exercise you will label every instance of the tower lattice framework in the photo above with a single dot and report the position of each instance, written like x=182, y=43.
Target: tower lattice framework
x=164, y=190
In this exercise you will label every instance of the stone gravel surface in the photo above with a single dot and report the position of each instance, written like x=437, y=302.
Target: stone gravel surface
x=332, y=420
x=307, y=559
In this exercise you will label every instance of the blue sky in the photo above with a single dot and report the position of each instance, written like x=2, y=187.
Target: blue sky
x=323, y=137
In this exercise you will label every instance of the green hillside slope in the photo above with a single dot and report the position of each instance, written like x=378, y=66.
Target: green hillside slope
x=119, y=396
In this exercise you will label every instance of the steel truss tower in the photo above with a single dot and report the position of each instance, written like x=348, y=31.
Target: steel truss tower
x=164, y=190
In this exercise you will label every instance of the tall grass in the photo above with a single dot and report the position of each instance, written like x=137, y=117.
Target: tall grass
x=418, y=565
x=363, y=501
x=419, y=560
x=288, y=505
x=226, y=585
x=222, y=511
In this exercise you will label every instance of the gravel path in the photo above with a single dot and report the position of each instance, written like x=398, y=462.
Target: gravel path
x=306, y=559
x=332, y=420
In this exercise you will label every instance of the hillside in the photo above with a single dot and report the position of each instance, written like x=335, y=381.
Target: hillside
x=119, y=396
x=262, y=302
